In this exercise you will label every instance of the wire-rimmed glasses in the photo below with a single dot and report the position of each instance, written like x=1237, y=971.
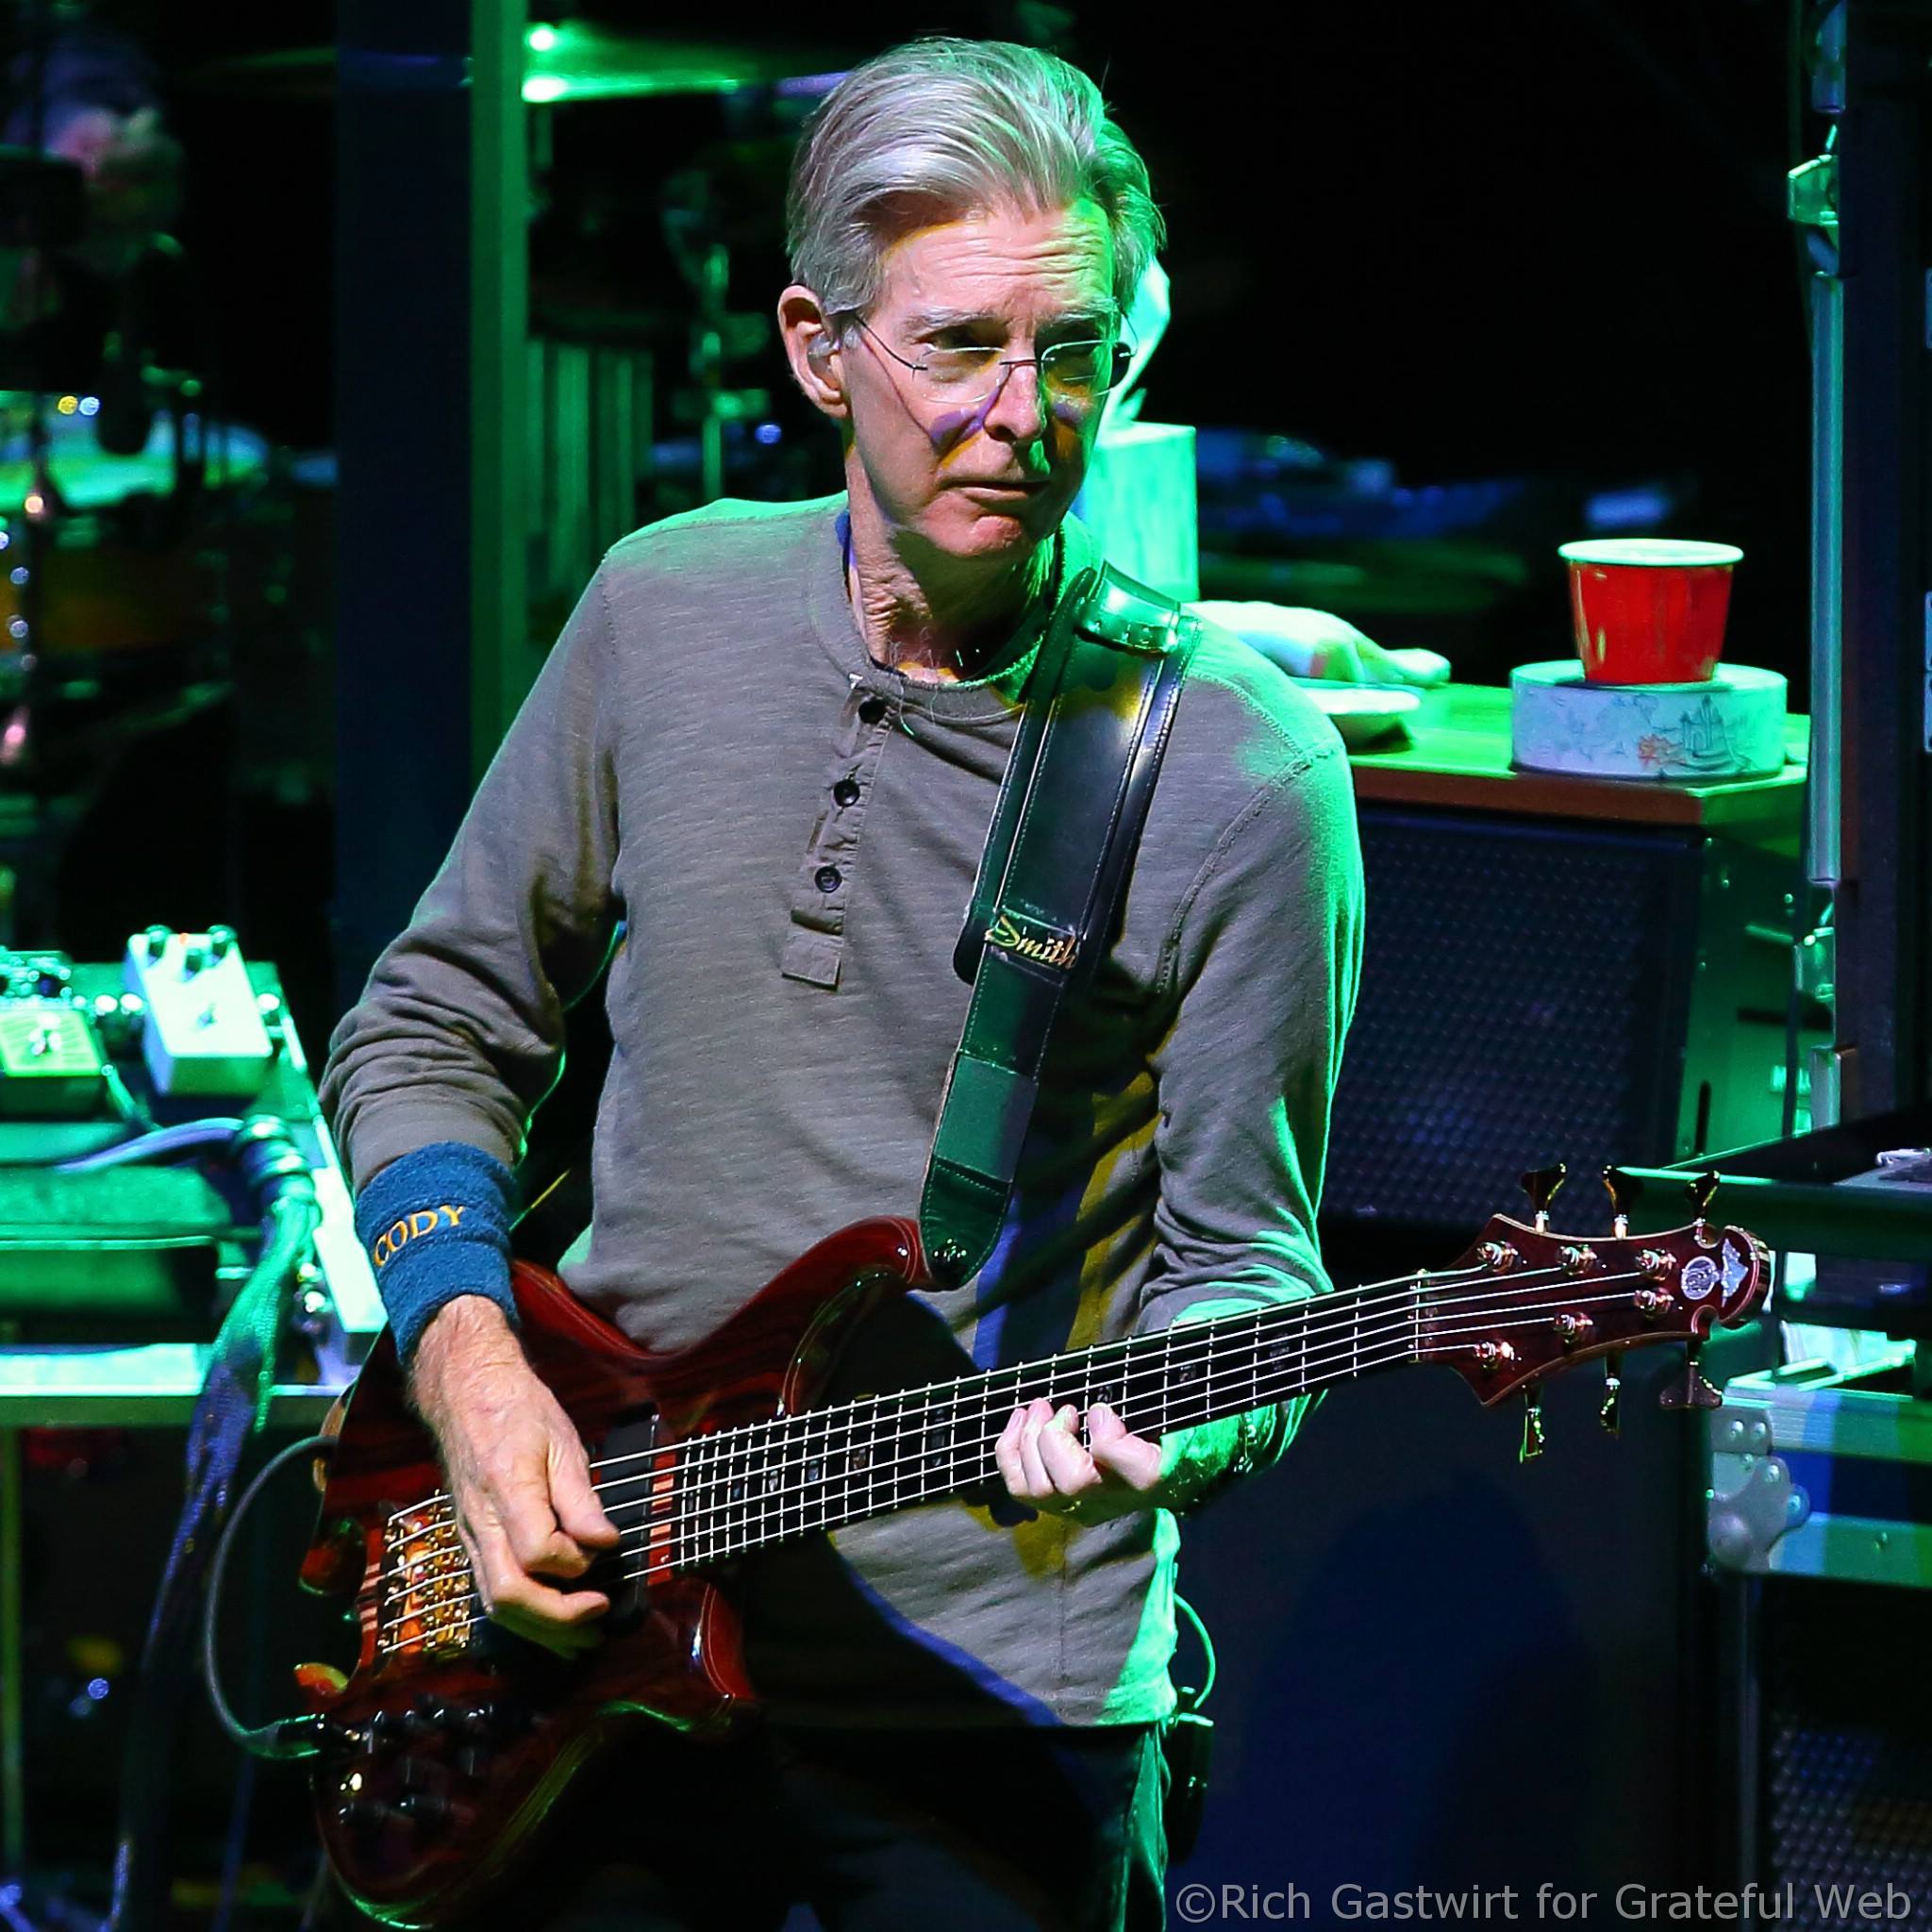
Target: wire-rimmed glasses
x=1075, y=374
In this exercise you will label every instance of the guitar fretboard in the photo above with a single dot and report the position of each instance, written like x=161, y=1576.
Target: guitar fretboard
x=742, y=1488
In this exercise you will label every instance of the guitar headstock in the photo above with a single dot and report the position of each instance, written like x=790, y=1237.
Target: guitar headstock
x=1524, y=1303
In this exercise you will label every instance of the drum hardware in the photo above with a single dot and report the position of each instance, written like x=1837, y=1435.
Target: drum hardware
x=42, y=206
x=570, y=63
x=592, y=386
x=699, y=227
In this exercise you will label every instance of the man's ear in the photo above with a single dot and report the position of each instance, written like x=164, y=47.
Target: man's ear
x=811, y=346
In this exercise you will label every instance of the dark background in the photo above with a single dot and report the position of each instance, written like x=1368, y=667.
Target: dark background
x=1538, y=236
x=1534, y=238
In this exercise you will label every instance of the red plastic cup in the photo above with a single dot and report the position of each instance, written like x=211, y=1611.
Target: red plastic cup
x=1649, y=609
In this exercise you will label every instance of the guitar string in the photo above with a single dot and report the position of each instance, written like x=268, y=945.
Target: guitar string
x=778, y=1511
x=1205, y=1395
x=693, y=1527
x=1330, y=1309
x=1330, y=1301
x=786, y=1531
x=1315, y=1316
x=1237, y=1338
x=1317, y=1319
x=1315, y=1313
x=450, y=1628
x=711, y=1456
x=1275, y=1390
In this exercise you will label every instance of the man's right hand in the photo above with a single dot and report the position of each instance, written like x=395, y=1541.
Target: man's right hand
x=517, y=1473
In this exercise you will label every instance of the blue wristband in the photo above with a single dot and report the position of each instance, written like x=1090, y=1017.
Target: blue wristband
x=435, y=1223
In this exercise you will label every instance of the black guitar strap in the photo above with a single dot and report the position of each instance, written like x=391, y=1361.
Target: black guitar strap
x=1064, y=831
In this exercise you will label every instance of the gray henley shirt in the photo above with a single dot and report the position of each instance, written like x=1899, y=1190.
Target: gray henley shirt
x=787, y=835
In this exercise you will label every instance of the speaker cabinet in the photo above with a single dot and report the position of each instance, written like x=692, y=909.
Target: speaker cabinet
x=1835, y=1687
x=1537, y=991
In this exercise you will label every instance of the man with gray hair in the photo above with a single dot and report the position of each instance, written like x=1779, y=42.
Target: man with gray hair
x=768, y=744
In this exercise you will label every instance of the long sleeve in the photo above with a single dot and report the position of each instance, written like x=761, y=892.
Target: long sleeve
x=458, y=1033
x=1265, y=958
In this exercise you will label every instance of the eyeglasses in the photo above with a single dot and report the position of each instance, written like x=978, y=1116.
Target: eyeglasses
x=1076, y=373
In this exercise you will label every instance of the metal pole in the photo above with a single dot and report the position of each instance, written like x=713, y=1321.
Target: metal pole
x=430, y=287
x=503, y=662
x=1824, y=791
x=12, y=1664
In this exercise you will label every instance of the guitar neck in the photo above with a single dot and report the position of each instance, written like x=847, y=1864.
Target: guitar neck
x=740, y=1489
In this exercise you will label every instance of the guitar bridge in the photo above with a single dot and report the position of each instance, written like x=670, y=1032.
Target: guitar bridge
x=426, y=1598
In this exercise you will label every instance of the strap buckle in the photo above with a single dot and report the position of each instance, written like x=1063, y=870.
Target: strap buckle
x=1129, y=618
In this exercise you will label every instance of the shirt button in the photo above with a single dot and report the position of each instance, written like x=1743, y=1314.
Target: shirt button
x=872, y=710
x=827, y=878
x=845, y=791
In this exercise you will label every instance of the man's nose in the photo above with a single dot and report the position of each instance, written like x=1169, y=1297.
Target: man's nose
x=1018, y=403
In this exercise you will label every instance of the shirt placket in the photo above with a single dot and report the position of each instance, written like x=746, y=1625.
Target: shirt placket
x=822, y=890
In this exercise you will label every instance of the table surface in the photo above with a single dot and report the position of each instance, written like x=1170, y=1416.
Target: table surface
x=1458, y=756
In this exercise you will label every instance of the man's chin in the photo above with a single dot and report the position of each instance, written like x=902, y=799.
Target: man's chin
x=977, y=522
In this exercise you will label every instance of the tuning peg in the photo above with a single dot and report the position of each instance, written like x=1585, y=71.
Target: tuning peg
x=1613, y=1389
x=1690, y=1390
x=1624, y=1190
x=1540, y=1185
x=1701, y=1190
x=1532, y=1425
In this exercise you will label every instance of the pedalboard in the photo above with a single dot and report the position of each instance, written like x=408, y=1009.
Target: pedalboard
x=51, y=1061
x=202, y=1032
x=155, y=1054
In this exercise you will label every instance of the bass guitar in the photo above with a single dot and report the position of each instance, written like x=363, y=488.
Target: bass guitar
x=437, y=1757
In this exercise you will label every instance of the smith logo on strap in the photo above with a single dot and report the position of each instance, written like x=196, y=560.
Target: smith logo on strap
x=1028, y=939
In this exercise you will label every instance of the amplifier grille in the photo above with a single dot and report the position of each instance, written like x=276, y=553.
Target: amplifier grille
x=1848, y=1748
x=1523, y=1000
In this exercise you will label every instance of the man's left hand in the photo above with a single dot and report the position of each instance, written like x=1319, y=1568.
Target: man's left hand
x=1047, y=1467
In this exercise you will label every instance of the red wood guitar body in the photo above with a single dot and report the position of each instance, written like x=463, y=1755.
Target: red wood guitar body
x=449, y=1740
x=443, y=1751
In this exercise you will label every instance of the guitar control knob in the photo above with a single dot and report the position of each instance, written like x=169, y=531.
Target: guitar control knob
x=460, y=1720
x=474, y=1762
x=393, y=1727
x=369, y=1814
